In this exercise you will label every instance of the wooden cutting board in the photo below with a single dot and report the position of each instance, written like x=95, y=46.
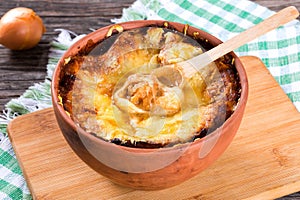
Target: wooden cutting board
x=263, y=161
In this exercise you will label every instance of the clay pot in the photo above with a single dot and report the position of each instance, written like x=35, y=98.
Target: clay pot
x=147, y=169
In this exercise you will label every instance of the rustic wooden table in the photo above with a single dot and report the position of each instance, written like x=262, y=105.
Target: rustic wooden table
x=19, y=70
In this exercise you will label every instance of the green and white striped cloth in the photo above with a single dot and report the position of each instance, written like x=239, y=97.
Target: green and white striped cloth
x=279, y=50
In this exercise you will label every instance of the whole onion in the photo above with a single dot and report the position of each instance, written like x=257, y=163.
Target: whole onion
x=21, y=28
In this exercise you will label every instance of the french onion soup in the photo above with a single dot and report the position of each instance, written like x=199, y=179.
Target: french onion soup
x=118, y=90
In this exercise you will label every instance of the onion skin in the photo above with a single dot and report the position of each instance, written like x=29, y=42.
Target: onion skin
x=21, y=28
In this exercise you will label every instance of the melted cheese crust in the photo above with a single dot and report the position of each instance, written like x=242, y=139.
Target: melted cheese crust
x=94, y=105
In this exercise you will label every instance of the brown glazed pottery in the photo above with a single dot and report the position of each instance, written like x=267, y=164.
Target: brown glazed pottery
x=147, y=169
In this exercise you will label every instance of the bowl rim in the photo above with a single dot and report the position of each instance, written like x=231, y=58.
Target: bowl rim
x=138, y=24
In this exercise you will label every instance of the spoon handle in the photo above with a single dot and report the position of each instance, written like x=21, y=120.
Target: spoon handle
x=280, y=18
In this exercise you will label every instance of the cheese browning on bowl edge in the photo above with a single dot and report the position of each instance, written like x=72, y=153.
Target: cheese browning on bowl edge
x=114, y=89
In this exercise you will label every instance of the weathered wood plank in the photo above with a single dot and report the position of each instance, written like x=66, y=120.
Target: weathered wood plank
x=30, y=66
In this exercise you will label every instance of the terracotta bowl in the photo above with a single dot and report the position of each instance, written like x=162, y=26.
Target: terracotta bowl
x=147, y=169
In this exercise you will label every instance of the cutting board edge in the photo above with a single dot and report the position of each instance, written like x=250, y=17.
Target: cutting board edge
x=10, y=127
x=247, y=59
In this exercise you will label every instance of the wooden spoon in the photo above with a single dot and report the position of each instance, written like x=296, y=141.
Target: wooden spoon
x=189, y=67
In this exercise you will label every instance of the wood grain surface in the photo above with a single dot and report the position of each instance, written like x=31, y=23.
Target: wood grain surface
x=19, y=70
x=257, y=164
